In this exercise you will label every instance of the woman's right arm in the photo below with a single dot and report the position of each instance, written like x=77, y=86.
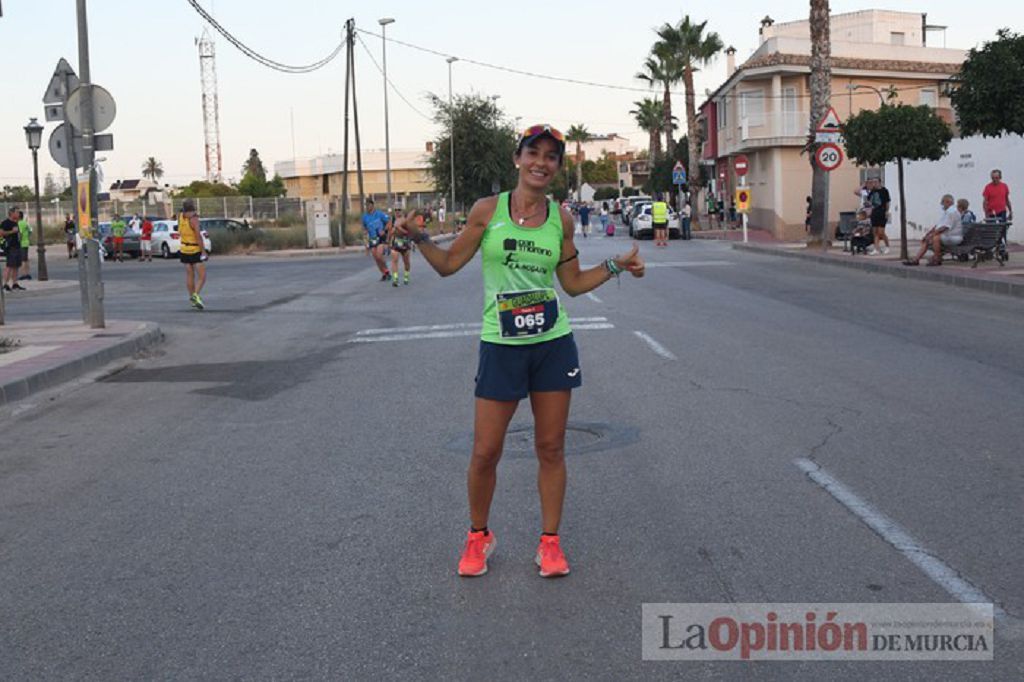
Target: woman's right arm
x=449, y=261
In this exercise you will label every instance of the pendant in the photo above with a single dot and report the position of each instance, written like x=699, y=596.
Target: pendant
x=522, y=221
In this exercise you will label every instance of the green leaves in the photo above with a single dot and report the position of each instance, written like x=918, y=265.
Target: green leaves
x=989, y=95
x=874, y=138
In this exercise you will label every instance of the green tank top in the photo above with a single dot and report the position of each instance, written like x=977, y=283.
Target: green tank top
x=520, y=303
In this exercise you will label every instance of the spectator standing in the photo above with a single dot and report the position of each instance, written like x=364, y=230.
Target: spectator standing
x=686, y=216
x=585, y=218
x=11, y=237
x=807, y=217
x=135, y=224
x=948, y=230
x=879, y=198
x=24, y=242
x=606, y=220
x=69, y=236
x=996, y=197
x=146, y=241
x=117, y=228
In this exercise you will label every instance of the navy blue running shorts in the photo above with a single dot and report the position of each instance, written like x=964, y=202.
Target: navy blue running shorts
x=509, y=372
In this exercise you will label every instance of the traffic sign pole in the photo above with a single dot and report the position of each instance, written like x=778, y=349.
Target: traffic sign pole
x=90, y=247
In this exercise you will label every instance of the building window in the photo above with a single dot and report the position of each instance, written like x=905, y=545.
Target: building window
x=326, y=184
x=898, y=38
x=752, y=107
x=929, y=98
x=723, y=116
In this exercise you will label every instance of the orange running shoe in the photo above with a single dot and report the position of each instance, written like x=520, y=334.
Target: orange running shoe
x=550, y=557
x=474, y=554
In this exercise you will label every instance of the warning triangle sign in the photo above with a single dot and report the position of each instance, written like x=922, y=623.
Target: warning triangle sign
x=830, y=122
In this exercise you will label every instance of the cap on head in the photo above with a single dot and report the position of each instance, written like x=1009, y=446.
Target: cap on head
x=535, y=132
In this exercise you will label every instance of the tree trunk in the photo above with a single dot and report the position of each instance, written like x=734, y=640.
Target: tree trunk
x=670, y=145
x=821, y=86
x=693, y=153
x=904, y=255
x=654, y=144
x=579, y=172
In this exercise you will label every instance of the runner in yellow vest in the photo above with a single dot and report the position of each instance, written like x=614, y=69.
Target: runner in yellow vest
x=191, y=252
x=659, y=219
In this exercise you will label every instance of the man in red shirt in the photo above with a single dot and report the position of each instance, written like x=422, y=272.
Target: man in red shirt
x=146, y=241
x=997, y=197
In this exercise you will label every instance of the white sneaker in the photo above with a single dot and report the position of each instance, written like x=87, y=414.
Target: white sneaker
x=885, y=250
x=872, y=252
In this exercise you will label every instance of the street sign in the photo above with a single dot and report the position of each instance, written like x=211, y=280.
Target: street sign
x=54, y=112
x=103, y=142
x=103, y=108
x=678, y=174
x=829, y=123
x=741, y=165
x=743, y=197
x=55, y=93
x=834, y=138
x=59, y=146
x=829, y=156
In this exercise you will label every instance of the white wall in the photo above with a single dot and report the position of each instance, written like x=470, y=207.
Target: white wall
x=963, y=172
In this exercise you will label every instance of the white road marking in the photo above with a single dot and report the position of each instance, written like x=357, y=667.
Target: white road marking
x=592, y=297
x=686, y=264
x=457, y=325
x=656, y=347
x=890, y=531
x=452, y=333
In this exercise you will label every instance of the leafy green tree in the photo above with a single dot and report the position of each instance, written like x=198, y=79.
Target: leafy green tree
x=578, y=134
x=203, y=189
x=254, y=166
x=602, y=171
x=989, y=97
x=252, y=186
x=660, y=179
x=485, y=141
x=896, y=133
x=17, y=193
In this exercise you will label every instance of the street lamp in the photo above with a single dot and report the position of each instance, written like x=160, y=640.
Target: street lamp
x=451, y=114
x=860, y=86
x=34, y=138
x=387, y=135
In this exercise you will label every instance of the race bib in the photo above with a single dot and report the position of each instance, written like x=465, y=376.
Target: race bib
x=527, y=313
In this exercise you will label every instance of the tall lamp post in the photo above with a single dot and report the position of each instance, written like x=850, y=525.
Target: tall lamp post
x=34, y=137
x=451, y=139
x=387, y=135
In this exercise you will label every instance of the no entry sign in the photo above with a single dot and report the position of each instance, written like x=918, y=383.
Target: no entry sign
x=741, y=165
x=829, y=156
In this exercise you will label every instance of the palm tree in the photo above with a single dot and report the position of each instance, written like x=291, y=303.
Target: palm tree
x=690, y=48
x=821, y=87
x=661, y=69
x=649, y=115
x=152, y=169
x=578, y=134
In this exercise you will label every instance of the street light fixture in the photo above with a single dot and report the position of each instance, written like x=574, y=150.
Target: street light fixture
x=451, y=139
x=387, y=134
x=34, y=138
x=861, y=86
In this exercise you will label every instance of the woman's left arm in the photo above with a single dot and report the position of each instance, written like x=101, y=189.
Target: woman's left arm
x=576, y=281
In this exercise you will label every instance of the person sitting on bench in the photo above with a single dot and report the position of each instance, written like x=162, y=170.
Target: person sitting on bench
x=948, y=231
x=862, y=236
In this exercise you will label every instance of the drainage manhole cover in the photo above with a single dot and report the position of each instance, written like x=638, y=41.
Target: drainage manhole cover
x=580, y=438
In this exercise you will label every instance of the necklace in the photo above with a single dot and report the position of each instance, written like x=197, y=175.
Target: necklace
x=522, y=221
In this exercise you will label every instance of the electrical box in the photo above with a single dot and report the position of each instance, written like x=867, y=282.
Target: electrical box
x=318, y=224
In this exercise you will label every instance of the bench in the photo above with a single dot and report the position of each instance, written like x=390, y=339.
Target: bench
x=982, y=242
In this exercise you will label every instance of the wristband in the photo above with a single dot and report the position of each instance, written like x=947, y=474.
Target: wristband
x=612, y=267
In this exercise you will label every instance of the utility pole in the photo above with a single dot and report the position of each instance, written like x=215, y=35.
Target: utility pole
x=451, y=137
x=387, y=134
x=350, y=91
x=90, y=246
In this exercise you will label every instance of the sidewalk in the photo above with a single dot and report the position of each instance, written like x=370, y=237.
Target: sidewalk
x=36, y=288
x=988, y=276
x=50, y=353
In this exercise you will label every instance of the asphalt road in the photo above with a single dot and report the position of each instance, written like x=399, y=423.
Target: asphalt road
x=278, y=492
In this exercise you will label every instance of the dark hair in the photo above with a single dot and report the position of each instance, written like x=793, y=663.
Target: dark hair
x=188, y=206
x=370, y=200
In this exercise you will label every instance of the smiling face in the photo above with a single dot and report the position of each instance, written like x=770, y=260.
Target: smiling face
x=538, y=162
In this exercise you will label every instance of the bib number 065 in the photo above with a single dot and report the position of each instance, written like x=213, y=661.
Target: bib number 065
x=529, y=321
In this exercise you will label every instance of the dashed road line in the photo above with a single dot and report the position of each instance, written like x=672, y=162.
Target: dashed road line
x=592, y=297
x=931, y=565
x=655, y=346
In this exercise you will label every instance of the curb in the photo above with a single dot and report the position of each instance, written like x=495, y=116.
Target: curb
x=949, y=278
x=146, y=335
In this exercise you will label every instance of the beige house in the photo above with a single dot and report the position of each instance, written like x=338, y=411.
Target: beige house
x=762, y=109
x=322, y=176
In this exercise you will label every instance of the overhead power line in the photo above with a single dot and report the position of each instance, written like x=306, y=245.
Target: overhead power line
x=256, y=56
x=393, y=87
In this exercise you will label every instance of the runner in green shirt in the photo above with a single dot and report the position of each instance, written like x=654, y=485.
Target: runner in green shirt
x=24, y=240
x=117, y=228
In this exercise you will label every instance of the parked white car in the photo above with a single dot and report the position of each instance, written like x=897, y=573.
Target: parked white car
x=167, y=239
x=642, y=226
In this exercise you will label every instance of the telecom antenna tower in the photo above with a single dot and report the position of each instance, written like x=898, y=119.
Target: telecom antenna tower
x=211, y=115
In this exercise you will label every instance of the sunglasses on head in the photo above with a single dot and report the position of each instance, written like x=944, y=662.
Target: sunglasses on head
x=541, y=129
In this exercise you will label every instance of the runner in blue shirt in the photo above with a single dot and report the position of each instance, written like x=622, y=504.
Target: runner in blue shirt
x=375, y=222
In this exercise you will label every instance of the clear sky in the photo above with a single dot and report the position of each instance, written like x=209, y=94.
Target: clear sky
x=144, y=53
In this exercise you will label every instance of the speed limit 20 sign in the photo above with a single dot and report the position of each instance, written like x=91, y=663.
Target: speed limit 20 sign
x=829, y=156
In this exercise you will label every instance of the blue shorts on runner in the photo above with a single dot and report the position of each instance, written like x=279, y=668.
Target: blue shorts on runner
x=508, y=372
